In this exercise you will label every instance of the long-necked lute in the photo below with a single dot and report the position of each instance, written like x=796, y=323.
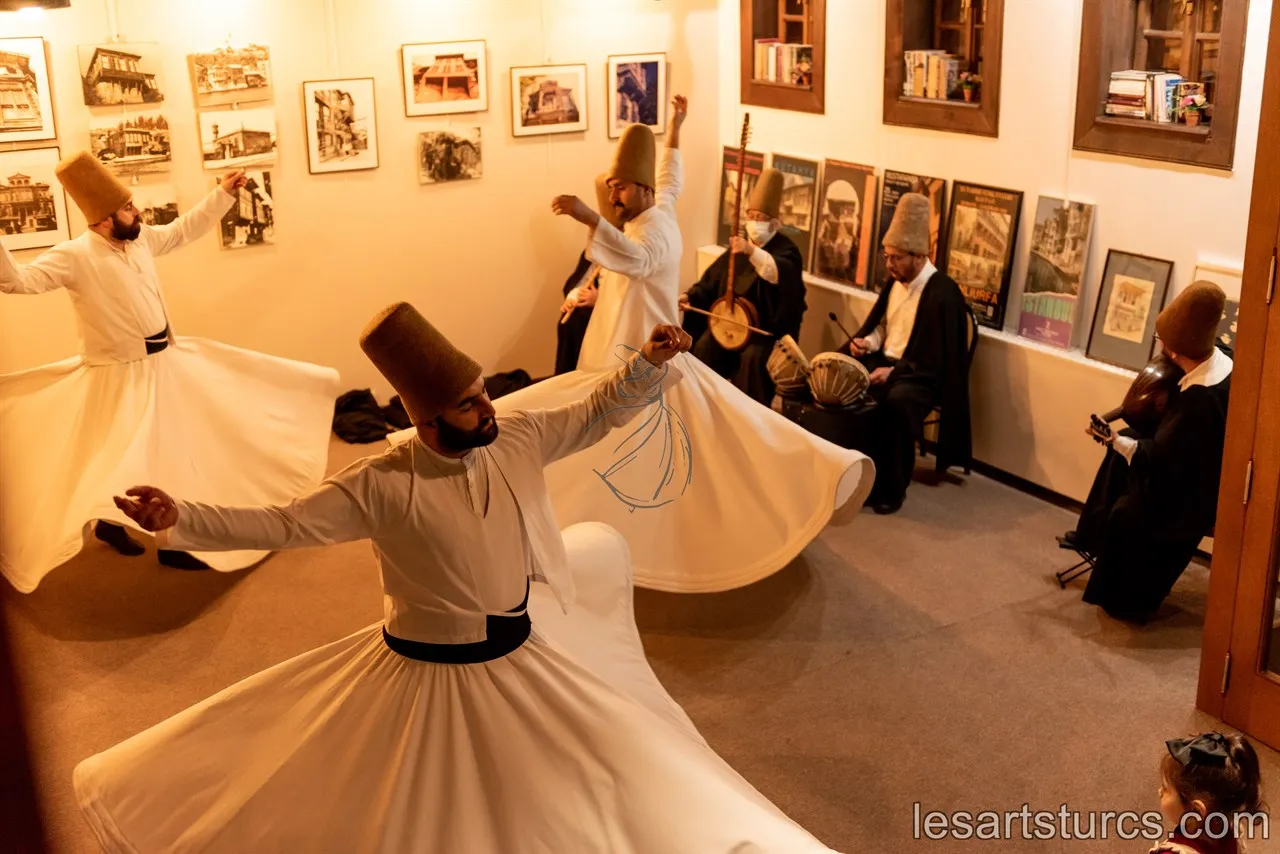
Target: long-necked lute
x=732, y=317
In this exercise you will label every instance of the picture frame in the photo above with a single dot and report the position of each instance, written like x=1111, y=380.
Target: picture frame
x=448, y=154
x=33, y=205
x=1124, y=322
x=636, y=84
x=982, y=234
x=845, y=227
x=30, y=117
x=341, y=120
x=132, y=143
x=548, y=99
x=231, y=75
x=1056, y=260
x=799, y=208
x=893, y=186
x=239, y=138
x=443, y=78
x=1231, y=280
x=250, y=222
x=121, y=74
x=730, y=166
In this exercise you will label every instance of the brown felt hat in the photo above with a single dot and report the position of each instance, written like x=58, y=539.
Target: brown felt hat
x=636, y=157
x=91, y=186
x=1189, y=324
x=428, y=372
x=909, y=230
x=606, y=208
x=766, y=196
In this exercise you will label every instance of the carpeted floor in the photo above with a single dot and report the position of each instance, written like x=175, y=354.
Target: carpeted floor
x=926, y=659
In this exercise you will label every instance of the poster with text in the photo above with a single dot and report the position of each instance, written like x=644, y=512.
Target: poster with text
x=982, y=232
x=895, y=186
x=799, y=200
x=1055, y=270
x=844, y=242
x=729, y=189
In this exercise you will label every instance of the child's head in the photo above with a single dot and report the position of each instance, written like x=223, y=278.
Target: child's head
x=1209, y=773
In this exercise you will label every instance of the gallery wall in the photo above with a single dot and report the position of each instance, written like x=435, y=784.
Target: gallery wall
x=482, y=258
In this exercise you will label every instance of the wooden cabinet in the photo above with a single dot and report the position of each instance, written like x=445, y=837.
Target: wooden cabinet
x=783, y=54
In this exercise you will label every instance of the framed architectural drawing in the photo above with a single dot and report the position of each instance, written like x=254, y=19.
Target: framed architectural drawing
x=131, y=143
x=235, y=139
x=115, y=74
x=251, y=220
x=1055, y=271
x=799, y=201
x=444, y=77
x=637, y=92
x=1124, y=322
x=843, y=245
x=983, y=230
x=26, y=104
x=33, y=207
x=894, y=186
x=449, y=154
x=342, y=125
x=548, y=99
x=231, y=75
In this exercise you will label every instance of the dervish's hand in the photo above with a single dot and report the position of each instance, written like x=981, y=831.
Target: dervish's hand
x=151, y=508
x=880, y=375
x=665, y=342
x=574, y=207
x=234, y=181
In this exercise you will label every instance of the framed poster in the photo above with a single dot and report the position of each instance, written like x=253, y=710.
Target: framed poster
x=637, y=87
x=115, y=74
x=843, y=245
x=548, y=99
x=731, y=166
x=1124, y=323
x=342, y=125
x=1055, y=270
x=132, y=143
x=236, y=139
x=449, y=154
x=982, y=232
x=231, y=75
x=894, y=187
x=444, y=77
x=33, y=206
x=27, y=112
x=799, y=201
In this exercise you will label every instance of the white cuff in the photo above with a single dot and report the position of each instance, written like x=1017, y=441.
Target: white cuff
x=1125, y=447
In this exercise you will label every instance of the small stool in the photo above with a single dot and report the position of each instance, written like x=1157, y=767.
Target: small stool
x=1085, y=565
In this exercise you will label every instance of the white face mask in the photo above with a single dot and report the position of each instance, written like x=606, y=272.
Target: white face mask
x=759, y=232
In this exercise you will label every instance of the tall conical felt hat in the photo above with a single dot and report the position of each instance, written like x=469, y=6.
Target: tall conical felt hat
x=606, y=208
x=909, y=231
x=428, y=372
x=766, y=196
x=91, y=186
x=1189, y=324
x=636, y=157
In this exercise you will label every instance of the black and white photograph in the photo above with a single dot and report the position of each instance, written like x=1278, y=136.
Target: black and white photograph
x=33, y=207
x=441, y=78
x=342, y=127
x=449, y=154
x=157, y=204
x=799, y=201
x=231, y=75
x=112, y=75
x=235, y=139
x=26, y=105
x=1132, y=294
x=637, y=92
x=131, y=144
x=251, y=221
x=548, y=99
x=983, y=230
x=844, y=242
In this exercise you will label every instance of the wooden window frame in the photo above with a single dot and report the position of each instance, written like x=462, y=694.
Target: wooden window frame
x=779, y=96
x=980, y=119
x=1210, y=145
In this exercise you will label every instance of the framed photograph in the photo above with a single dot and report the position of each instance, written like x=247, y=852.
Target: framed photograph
x=894, y=187
x=1055, y=271
x=27, y=112
x=1124, y=323
x=799, y=201
x=548, y=99
x=33, y=206
x=732, y=165
x=251, y=220
x=236, y=139
x=231, y=75
x=444, y=77
x=1230, y=279
x=982, y=233
x=844, y=243
x=637, y=87
x=342, y=125
x=131, y=144
x=449, y=154
x=158, y=203
x=116, y=74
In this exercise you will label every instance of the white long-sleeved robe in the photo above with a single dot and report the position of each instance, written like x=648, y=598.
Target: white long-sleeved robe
x=77, y=431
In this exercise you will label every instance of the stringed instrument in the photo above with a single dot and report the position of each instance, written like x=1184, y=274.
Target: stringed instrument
x=732, y=318
x=1149, y=396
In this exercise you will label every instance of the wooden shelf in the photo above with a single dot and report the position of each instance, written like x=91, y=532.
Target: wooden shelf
x=784, y=96
x=1157, y=127
x=942, y=102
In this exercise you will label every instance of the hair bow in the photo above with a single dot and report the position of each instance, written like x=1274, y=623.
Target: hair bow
x=1209, y=748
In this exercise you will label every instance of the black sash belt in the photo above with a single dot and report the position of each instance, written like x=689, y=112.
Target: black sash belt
x=504, y=636
x=157, y=342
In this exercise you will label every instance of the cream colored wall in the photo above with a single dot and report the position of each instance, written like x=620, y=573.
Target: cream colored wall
x=484, y=259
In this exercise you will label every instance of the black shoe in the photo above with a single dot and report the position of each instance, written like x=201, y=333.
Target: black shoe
x=180, y=560
x=118, y=538
x=885, y=508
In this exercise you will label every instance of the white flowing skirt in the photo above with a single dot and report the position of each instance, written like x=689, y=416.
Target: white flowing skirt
x=191, y=419
x=711, y=489
x=567, y=745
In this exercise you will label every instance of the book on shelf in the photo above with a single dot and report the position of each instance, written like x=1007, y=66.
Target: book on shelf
x=930, y=74
x=779, y=62
x=1146, y=95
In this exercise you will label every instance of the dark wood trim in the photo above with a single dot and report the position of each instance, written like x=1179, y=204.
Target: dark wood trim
x=775, y=95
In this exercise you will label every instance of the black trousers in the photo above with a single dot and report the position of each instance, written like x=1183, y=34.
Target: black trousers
x=748, y=368
x=902, y=405
x=569, y=337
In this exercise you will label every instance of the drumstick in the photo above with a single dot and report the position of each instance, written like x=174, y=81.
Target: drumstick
x=727, y=320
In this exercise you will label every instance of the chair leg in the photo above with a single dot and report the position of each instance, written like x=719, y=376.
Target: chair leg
x=1072, y=573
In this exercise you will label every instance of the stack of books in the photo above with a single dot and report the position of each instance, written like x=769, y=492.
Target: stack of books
x=930, y=74
x=777, y=62
x=1147, y=95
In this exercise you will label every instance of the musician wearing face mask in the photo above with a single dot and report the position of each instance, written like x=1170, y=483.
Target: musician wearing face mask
x=1155, y=497
x=771, y=281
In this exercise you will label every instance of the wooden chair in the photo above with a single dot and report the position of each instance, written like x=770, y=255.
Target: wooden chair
x=935, y=418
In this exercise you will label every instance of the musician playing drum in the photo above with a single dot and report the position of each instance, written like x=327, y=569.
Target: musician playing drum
x=772, y=282
x=1154, y=498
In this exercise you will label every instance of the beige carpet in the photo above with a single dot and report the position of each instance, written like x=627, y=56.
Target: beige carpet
x=926, y=658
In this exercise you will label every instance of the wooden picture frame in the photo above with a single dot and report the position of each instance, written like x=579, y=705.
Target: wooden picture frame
x=985, y=289
x=562, y=110
x=1120, y=333
x=780, y=96
x=341, y=118
x=636, y=86
x=40, y=223
x=467, y=91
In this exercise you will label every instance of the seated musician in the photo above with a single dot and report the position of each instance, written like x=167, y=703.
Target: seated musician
x=1155, y=497
x=769, y=272
x=914, y=343
x=580, y=292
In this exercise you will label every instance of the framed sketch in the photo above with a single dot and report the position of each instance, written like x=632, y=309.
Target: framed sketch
x=444, y=77
x=799, y=201
x=116, y=74
x=846, y=215
x=251, y=220
x=231, y=75
x=235, y=139
x=548, y=99
x=1124, y=323
x=131, y=143
x=1055, y=271
x=157, y=203
x=449, y=154
x=894, y=186
x=637, y=87
x=982, y=233
x=342, y=125
x=33, y=206
x=731, y=166
x=27, y=112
